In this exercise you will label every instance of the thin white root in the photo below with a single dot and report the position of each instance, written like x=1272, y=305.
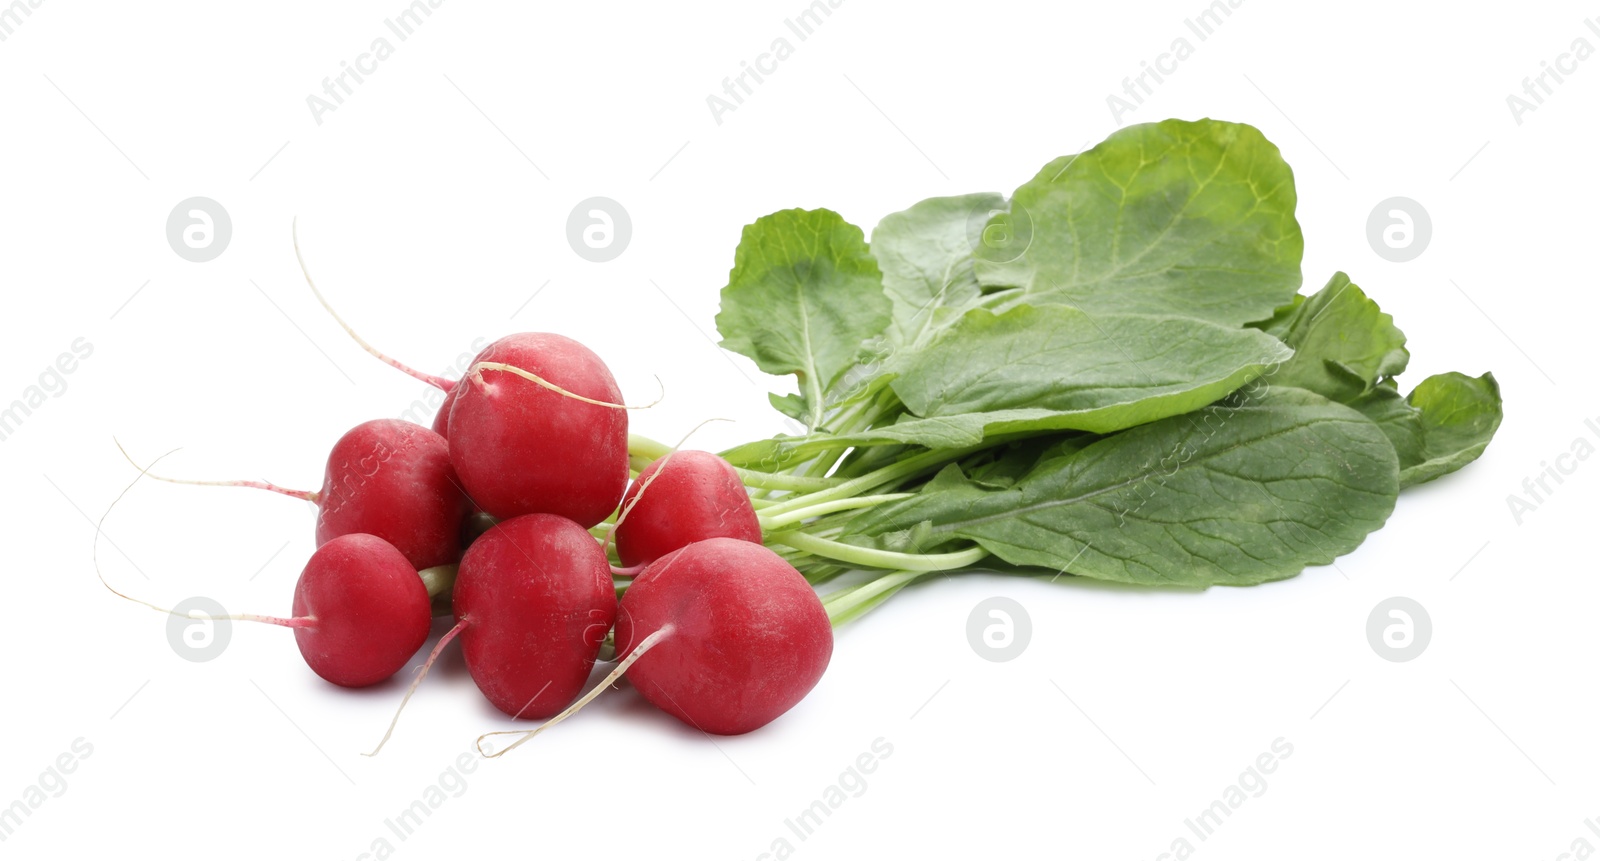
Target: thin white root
x=421, y=674
x=307, y=495
x=645, y=645
x=430, y=379
x=476, y=375
x=197, y=615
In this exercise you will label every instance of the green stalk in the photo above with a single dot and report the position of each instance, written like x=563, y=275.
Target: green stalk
x=438, y=579
x=645, y=447
x=783, y=481
x=867, y=557
x=875, y=479
x=847, y=605
x=777, y=522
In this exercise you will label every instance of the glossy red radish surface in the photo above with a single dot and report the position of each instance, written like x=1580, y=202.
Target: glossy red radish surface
x=393, y=479
x=748, y=637
x=688, y=496
x=536, y=597
x=369, y=611
x=521, y=448
x=441, y=419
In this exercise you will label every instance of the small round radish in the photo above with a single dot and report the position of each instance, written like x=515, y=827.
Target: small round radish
x=724, y=635
x=735, y=635
x=688, y=496
x=393, y=479
x=533, y=602
x=389, y=478
x=523, y=447
x=360, y=611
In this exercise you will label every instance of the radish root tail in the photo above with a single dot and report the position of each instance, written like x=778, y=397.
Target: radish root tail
x=476, y=375
x=645, y=645
x=307, y=495
x=421, y=674
x=197, y=615
x=431, y=379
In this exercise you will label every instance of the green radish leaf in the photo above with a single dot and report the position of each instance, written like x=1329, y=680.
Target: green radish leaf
x=1343, y=344
x=805, y=297
x=1187, y=218
x=792, y=406
x=1249, y=490
x=1444, y=424
x=926, y=254
x=1110, y=371
x=1045, y=368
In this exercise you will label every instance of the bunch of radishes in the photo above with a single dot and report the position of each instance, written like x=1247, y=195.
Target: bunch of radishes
x=510, y=504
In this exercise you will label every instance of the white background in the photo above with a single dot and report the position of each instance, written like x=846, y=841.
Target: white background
x=432, y=206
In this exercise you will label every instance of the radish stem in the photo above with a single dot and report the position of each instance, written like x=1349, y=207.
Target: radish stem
x=871, y=558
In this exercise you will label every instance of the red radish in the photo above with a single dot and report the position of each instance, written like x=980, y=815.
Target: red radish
x=393, y=479
x=533, y=602
x=538, y=427
x=441, y=419
x=691, y=496
x=360, y=611
x=723, y=634
x=741, y=636
x=389, y=478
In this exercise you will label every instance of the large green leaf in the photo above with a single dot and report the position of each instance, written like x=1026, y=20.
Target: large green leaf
x=926, y=254
x=805, y=297
x=1444, y=424
x=1343, y=343
x=1191, y=218
x=1044, y=368
x=1246, y=491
